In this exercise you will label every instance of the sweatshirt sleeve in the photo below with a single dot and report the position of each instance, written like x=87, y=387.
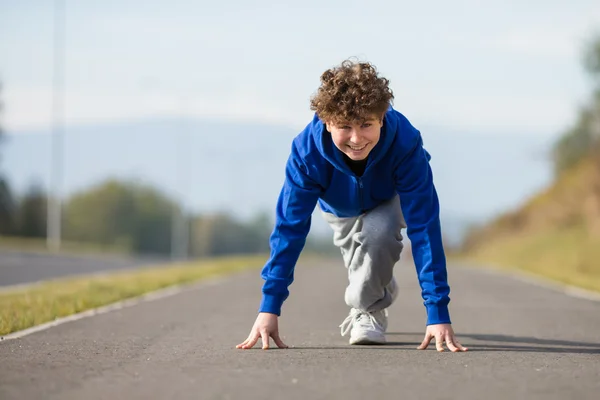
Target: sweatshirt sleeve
x=420, y=206
x=295, y=205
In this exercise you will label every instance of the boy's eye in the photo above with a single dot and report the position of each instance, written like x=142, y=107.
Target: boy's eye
x=366, y=125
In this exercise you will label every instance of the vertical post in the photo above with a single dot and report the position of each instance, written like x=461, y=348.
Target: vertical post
x=54, y=202
x=185, y=174
x=180, y=236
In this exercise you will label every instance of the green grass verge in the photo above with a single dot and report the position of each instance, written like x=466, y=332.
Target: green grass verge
x=39, y=245
x=36, y=304
x=570, y=256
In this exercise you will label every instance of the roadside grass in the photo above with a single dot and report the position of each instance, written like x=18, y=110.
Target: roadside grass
x=31, y=305
x=37, y=245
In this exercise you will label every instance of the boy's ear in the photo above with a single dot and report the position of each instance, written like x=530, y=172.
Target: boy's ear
x=327, y=126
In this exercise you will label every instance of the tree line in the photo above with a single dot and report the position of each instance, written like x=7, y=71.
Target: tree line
x=135, y=217
x=139, y=219
x=583, y=138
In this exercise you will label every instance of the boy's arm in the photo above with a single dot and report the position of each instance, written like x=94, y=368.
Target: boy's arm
x=297, y=201
x=420, y=206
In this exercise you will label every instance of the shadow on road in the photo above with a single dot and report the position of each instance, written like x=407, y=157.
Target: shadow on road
x=479, y=343
x=496, y=342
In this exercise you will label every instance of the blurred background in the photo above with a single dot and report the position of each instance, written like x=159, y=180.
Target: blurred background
x=163, y=128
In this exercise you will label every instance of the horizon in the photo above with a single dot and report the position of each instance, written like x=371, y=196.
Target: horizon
x=201, y=170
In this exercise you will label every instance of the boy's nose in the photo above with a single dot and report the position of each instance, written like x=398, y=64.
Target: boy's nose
x=354, y=137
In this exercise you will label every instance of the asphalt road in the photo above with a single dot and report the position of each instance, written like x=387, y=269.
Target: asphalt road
x=526, y=342
x=27, y=267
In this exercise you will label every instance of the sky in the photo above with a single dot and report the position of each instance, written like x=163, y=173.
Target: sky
x=486, y=67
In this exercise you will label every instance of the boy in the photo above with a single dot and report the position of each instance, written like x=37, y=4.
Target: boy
x=365, y=165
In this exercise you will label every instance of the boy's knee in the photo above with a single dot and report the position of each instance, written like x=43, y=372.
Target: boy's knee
x=383, y=234
x=384, y=224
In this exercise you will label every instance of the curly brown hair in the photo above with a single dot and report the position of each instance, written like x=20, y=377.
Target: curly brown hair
x=351, y=92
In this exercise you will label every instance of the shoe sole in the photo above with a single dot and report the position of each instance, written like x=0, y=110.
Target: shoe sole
x=367, y=341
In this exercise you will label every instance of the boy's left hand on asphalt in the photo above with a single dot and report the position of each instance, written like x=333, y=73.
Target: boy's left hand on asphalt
x=441, y=333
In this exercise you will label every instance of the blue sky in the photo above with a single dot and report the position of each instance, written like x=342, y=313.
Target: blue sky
x=482, y=67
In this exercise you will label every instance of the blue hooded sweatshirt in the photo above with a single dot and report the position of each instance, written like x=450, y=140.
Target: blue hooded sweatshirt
x=317, y=173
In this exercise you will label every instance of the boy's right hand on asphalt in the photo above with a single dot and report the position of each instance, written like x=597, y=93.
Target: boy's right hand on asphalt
x=266, y=326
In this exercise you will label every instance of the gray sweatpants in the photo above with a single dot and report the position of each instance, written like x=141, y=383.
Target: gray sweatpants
x=370, y=245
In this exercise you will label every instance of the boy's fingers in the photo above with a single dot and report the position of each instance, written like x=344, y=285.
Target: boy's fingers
x=425, y=342
x=245, y=342
x=451, y=339
x=250, y=342
x=450, y=342
x=265, y=340
x=460, y=346
x=439, y=343
x=278, y=341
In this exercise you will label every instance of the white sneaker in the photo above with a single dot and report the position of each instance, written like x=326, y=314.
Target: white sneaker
x=365, y=327
x=368, y=328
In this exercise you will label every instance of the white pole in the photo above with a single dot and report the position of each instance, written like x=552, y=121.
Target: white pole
x=180, y=237
x=53, y=237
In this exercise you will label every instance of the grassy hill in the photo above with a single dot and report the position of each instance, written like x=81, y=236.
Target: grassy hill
x=556, y=234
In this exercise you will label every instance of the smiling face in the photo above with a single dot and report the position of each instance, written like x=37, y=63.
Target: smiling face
x=357, y=139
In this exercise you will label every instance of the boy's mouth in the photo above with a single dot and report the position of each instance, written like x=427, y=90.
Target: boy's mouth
x=357, y=148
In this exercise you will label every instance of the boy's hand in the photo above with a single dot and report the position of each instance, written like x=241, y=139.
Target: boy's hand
x=265, y=326
x=442, y=333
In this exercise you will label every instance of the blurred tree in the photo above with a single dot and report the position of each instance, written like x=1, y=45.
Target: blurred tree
x=581, y=139
x=578, y=141
x=259, y=230
x=31, y=213
x=1, y=110
x=220, y=234
x=139, y=218
x=7, y=204
x=134, y=216
x=591, y=61
x=7, y=209
x=152, y=221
